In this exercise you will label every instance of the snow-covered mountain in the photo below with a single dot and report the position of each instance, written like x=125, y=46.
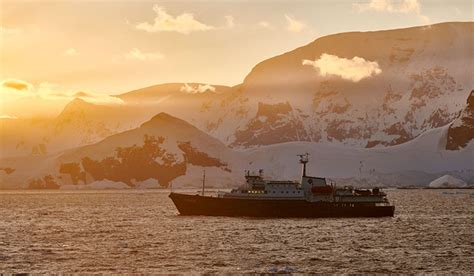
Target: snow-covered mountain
x=385, y=106
x=168, y=150
x=161, y=149
x=413, y=163
x=82, y=123
x=362, y=89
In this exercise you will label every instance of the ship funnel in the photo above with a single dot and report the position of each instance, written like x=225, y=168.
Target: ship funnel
x=304, y=158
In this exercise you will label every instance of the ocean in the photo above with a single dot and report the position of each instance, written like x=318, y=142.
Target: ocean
x=140, y=231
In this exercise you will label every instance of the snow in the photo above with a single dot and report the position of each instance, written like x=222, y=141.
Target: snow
x=447, y=181
x=262, y=118
x=97, y=185
x=150, y=183
x=424, y=154
x=107, y=184
x=73, y=187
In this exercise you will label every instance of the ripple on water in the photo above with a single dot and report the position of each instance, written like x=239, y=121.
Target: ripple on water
x=140, y=232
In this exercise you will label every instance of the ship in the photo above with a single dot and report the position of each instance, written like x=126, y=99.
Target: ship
x=312, y=197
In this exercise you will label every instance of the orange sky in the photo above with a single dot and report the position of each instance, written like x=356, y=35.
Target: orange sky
x=105, y=47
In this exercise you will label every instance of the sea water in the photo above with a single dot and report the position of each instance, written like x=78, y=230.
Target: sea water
x=134, y=231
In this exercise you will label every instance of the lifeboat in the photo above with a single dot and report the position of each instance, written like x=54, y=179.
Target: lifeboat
x=321, y=190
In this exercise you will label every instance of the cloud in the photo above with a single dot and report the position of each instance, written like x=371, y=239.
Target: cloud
x=14, y=89
x=97, y=98
x=201, y=88
x=45, y=99
x=184, y=23
x=393, y=6
x=70, y=52
x=264, y=24
x=16, y=84
x=9, y=31
x=294, y=25
x=136, y=54
x=400, y=6
x=229, y=19
x=55, y=93
x=8, y=117
x=354, y=69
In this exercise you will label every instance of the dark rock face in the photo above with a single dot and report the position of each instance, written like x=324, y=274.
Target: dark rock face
x=142, y=162
x=137, y=162
x=273, y=123
x=195, y=157
x=47, y=182
x=395, y=129
x=418, y=89
x=461, y=131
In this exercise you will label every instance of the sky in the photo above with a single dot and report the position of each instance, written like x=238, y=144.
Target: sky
x=56, y=48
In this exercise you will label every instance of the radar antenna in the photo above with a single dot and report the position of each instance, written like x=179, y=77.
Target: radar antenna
x=304, y=158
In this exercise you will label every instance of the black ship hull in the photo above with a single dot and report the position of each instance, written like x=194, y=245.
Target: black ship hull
x=196, y=205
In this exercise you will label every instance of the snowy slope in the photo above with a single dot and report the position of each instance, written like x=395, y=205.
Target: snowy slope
x=171, y=151
x=422, y=84
x=447, y=181
x=425, y=153
x=162, y=149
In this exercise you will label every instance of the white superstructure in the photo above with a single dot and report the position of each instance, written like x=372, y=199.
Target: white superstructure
x=310, y=188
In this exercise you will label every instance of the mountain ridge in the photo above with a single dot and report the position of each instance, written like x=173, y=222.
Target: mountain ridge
x=160, y=154
x=419, y=73
x=416, y=91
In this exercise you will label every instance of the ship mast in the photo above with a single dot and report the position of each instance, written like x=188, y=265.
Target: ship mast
x=304, y=158
x=203, y=181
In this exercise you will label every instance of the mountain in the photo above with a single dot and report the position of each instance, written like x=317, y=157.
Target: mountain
x=358, y=89
x=173, y=92
x=416, y=162
x=419, y=82
x=20, y=137
x=461, y=131
x=166, y=150
x=160, y=150
x=190, y=101
x=82, y=123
